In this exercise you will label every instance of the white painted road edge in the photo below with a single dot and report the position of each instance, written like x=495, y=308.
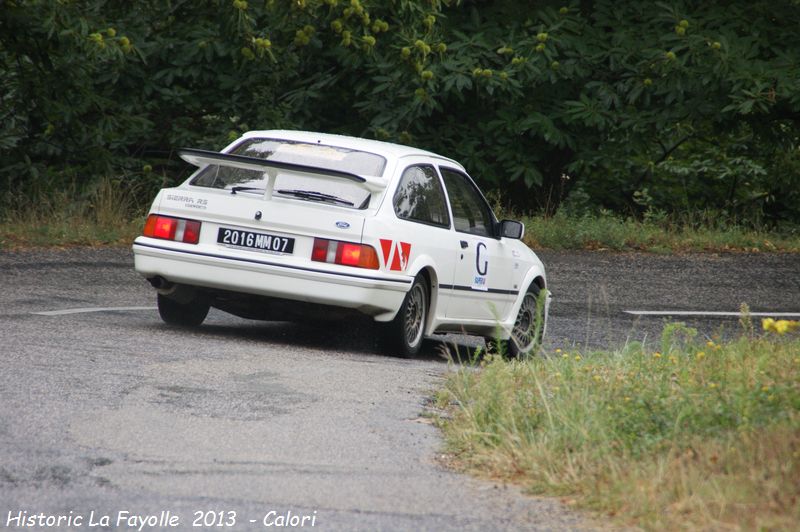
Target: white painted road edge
x=89, y=309
x=633, y=312
x=710, y=313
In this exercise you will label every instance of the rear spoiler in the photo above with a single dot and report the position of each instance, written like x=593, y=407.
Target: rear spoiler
x=205, y=157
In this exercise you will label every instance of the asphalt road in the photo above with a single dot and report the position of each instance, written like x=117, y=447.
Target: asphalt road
x=108, y=412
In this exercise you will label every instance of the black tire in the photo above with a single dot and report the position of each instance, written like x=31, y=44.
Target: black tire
x=189, y=314
x=526, y=335
x=405, y=333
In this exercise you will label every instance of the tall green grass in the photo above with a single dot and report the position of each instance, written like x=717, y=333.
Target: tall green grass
x=660, y=235
x=104, y=213
x=689, y=435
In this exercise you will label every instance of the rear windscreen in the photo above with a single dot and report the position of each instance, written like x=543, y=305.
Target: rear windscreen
x=317, y=155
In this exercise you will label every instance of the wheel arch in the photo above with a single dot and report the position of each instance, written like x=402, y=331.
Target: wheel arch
x=432, y=279
x=534, y=276
x=426, y=266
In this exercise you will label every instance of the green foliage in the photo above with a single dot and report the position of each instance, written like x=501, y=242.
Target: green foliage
x=682, y=105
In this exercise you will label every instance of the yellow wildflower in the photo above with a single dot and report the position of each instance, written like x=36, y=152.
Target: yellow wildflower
x=700, y=355
x=783, y=326
x=656, y=355
x=577, y=358
x=780, y=327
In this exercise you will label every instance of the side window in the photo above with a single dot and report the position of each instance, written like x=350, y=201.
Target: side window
x=420, y=198
x=470, y=212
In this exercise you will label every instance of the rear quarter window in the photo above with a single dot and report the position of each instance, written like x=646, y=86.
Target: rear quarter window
x=420, y=198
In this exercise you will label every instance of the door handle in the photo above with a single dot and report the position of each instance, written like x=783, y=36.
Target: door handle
x=464, y=244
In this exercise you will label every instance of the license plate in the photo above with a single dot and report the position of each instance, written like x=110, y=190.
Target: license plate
x=264, y=242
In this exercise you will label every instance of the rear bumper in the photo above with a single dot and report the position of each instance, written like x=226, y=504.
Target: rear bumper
x=375, y=294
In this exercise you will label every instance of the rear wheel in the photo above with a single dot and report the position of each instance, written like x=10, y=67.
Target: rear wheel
x=189, y=314
x=526, y=336
x=404, y=334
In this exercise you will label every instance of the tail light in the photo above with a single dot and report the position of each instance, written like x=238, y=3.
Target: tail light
x=169, y=228
x=345, y=253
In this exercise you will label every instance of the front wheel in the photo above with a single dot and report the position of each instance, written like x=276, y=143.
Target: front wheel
x=189, y=314
x=404, y=334
x=526, y=336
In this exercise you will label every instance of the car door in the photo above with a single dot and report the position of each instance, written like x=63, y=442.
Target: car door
x=484, y=279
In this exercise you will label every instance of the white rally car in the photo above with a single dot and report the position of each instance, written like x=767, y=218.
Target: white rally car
x=286, y=225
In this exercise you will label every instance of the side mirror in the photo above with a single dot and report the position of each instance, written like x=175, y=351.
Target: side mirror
x=512, y=229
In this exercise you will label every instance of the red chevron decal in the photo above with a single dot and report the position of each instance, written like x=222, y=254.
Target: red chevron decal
x=395, y=254
x=386, y=247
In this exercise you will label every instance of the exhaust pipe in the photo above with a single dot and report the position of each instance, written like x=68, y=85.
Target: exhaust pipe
x=179, y=292
x=159, y=283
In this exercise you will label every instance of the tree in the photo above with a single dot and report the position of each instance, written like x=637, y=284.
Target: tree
x=627, y=105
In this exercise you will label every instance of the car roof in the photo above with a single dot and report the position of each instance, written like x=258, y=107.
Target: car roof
x=387, y=149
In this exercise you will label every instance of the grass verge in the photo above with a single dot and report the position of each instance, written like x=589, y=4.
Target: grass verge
x=695, y=435
x=105, y=214
x=66, y=232
x=611, y=232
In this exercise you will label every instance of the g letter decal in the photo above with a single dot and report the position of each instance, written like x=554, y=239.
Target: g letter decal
x=485, y=268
